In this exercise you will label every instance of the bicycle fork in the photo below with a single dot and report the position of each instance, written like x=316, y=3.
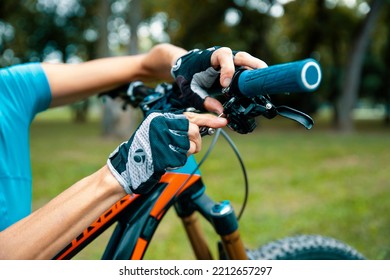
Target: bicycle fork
x=222, y=218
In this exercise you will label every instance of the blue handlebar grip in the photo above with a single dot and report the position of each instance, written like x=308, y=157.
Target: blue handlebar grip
x=298, y=76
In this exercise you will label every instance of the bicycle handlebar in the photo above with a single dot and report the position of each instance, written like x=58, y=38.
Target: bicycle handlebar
x=298, y=76
x=247, y=96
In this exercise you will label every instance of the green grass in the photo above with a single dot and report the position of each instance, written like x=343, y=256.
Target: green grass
x=301, y=182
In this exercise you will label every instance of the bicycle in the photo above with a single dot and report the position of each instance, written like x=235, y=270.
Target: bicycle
x=138, y=216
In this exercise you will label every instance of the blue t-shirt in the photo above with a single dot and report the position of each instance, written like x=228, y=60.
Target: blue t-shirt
x=24, y=91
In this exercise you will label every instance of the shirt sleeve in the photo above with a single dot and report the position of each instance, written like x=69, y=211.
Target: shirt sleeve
x=24, y=91
x=28, y=88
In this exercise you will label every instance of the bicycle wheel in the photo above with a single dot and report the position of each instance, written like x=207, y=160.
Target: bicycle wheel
x=306, y=247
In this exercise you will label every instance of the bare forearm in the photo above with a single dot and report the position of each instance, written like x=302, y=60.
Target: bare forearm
x=42, y=234
x=72, y=82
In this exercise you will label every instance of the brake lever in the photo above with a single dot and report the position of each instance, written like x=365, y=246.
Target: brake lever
x=295, y=115
x=242, y=111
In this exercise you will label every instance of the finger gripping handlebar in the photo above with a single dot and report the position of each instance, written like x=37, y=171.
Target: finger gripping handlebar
x=298, y=76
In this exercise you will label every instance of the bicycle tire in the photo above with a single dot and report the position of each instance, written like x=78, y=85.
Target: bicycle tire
x=306, y=247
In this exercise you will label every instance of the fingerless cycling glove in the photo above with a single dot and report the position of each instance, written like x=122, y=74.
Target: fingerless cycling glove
x=160, y=142
x=193, y=74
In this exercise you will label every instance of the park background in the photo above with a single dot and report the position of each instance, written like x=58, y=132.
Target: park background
x=332, y=180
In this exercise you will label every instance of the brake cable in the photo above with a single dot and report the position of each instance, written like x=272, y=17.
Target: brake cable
x=246, y=192
x=206, y=155
x=242, y=165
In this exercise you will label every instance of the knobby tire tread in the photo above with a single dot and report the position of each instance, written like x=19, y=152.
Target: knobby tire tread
x=306, y=247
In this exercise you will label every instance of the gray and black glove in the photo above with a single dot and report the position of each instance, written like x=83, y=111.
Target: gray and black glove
x=194, y=74
x=159, y=143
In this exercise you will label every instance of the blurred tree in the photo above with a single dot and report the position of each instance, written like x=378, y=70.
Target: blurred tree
x=302, y=36
x=125, y=17
x=384, y=89
x=46, y=30
x=336, y=34
x=70, y=31
x=242, y=25
x=375, y=85
x=109, y=110
x=352, y=76
x=134, y=19
x=321, y=31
